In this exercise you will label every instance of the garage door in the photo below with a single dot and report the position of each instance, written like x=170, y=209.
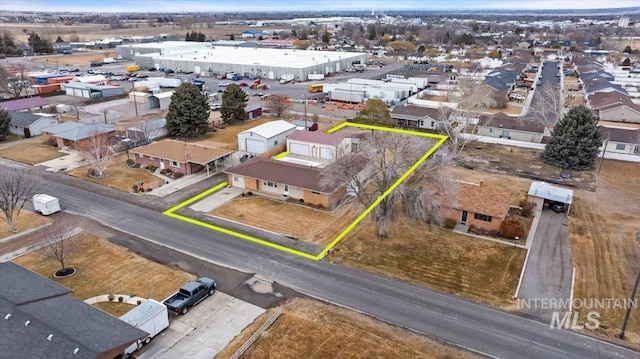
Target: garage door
x=299, y=149
x=326, y=153
x=255, y=146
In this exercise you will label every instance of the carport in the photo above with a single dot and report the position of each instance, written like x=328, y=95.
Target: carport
x=543, y=193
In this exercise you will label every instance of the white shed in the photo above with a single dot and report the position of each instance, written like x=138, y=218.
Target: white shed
x=264, y=137
x=317, y=144
x=542, y=193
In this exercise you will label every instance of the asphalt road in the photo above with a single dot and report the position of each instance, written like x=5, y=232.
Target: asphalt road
x=446, y=317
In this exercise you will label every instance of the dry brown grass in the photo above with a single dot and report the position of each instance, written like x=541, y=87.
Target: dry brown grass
x=603, y=225
x=114, y=308
x=31, y=152
x=26, y=220
x=310, y=329
x=311, y=225
x=119, y=176
x=105, y=268
x=511, y=109
x=229, y=134
x=436, y=258
x=78, y=59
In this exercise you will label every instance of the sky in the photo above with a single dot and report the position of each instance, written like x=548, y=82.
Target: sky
x=177, y=6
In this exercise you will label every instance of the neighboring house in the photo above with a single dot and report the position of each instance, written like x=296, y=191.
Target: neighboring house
x=600, y=85
x=29, y=124
x=303, y=125
x=501, y=125
x=281, y=178
x=147, y=130
x=614, y=106
x=620, y=140
x=265, y=137
x=478, y=205
x=252, y=111
x=417, y=117
x=317, y=144
x=183, y=157
x=40, y=319
x=543, y=194
x=160, y=100
x=35, y=102
x=76, y=135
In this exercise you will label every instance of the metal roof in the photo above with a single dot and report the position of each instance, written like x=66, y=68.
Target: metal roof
x=23, y=103
x=271, y=129
x=551, y=192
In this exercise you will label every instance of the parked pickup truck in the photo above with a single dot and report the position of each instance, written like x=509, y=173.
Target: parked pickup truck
x=189, y=295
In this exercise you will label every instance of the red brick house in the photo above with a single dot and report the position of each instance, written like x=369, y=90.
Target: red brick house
x=182, y=157
x=76, y=135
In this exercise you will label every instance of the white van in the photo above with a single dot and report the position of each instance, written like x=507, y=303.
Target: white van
x=45, y=204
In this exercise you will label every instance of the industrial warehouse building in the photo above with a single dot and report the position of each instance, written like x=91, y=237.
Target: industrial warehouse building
x=208, y=59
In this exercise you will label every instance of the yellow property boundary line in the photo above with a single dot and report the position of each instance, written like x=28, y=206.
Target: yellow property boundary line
x=441, y=140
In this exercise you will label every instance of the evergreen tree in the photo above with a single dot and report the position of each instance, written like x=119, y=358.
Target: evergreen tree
x=627, y=50
x=326, y=37
x=59, y=39
x=188, y=112
x=575, y=141
x=234, y=100
x=201, y=37
x=5, y=122
x=375, y=112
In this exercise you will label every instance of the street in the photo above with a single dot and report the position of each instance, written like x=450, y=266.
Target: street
x=449, y=318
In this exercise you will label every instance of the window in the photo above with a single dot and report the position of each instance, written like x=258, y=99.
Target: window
x=491, y=130
x=432, y=124
x=620, y=146
x=151, y=158
x=271, y=184
x=174, y=164
x=275, y=142
x=482, y=217
x=421, y=123
x=236, y=179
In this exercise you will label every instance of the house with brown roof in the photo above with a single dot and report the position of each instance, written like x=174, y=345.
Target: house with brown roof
x=620, y=140
x=286, y=180
x=413, y=116
x=182, y=157
x=478, y=205
x=316, y=144
x=614, y=106
x=501, y=125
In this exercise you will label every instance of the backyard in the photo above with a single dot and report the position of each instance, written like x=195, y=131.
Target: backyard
x=310, y=329
x=31, y=152
x=119, y=176
x=106, y=268
x=229, y=133
x=310, y=225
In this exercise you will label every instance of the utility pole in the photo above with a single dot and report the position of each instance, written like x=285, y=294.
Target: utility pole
x=305, y=112
x=633, y=295
x=133, y=91
x=604, y=150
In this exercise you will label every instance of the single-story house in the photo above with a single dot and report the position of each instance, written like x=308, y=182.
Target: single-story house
x=543, y=194
x=281, y=178
x=183, y=157
x=147, y=130
x=478, y=205
x=40, y=319
x=621, y=140
x=76, y=135
x=265, y=137
x=417, y=117
x=30, y=124
x=252, y=111
x=501, y=125
x=305, y=125
x=89, y=90
x=317, y=144
x=35, y=102
x=160, y=100
x=614, y=106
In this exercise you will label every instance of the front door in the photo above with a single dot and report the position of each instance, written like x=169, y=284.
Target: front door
x=286, y=190
x=463, y=220
x=161, y=164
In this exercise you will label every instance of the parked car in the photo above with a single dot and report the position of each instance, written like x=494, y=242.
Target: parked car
x=558, y=207
x=190, y=294
x=214, y=106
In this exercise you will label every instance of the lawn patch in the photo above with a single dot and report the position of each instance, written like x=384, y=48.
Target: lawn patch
x=31, y=152
x=27, y=220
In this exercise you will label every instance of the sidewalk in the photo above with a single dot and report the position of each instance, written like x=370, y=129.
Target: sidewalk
x=176, y=185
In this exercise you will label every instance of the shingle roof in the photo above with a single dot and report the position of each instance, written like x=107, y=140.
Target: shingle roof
x=481, y=199
x=77, y=131
x=23, y=119
x=607, y=100
x=172, y=150
x=415, y=112
x=23, y=103
x=282, y=172
x=511, y=123
x=621, y=135
x=252, y=107
x=271, y=129
x=316, y=137
x=46, y=322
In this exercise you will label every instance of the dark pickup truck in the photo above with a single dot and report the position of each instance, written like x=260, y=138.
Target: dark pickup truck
x=190, y=294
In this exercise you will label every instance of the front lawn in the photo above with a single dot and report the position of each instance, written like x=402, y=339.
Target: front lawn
x=31, y=152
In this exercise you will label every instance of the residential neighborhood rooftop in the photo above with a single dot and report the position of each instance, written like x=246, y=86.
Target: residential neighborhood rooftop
x=479, y=198
x=270, y=129
x=182, y=152
x=316, y=137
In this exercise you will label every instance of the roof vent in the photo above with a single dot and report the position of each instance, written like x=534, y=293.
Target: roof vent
x=8, y=316
x=50, y=337
x=27, y=323
x=76, y=350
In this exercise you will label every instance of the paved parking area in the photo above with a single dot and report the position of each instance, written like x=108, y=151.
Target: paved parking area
x=204, y=331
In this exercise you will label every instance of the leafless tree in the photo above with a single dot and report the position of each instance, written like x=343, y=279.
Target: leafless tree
x=147, y=131
x=59, y=242
x=11, y=83
x=454, y=124
x=547, y=109
x=16, y=188
x=278, y=104
x=388, y=156
x=97, y=152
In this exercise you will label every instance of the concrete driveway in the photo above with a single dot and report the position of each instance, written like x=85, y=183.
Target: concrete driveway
x=549, y=270
x=204, y=331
